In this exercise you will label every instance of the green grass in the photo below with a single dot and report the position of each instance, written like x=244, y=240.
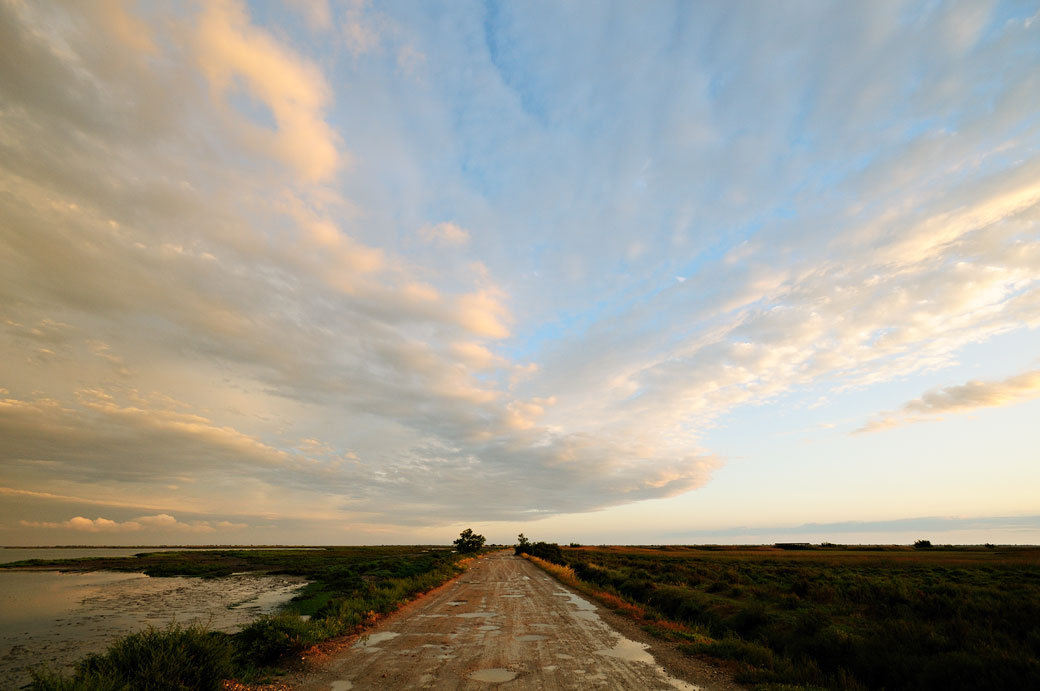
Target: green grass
x=174, y=659
x=350, y=587
x=891, y=618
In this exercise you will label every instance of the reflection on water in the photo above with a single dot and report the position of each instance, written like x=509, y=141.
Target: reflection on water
x=9, y=554
x=57, y=618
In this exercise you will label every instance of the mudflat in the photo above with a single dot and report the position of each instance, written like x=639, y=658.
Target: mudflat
x=504, y=622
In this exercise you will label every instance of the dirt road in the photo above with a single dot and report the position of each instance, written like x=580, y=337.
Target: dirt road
x=504, y=622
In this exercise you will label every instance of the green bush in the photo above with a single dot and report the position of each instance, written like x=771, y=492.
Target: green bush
x=172, y=659
x=549, y=551
x=271, y=637
x=468, y=541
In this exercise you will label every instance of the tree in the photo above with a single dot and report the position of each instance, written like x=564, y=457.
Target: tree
x=522, y=544
x=923, y=544
x=469, y=541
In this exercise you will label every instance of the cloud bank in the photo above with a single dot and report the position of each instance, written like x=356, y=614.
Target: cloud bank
x=227, y=285
x=960, y=399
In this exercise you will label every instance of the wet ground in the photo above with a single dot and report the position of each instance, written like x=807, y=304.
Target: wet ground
x=57, y=618
x=504, y=622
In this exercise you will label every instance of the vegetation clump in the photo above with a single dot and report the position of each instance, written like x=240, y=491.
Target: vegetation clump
x=173, y=659
x=549, y=551
x=468, y=542
x=883, y=618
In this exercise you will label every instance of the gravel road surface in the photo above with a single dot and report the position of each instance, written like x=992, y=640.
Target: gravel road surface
x=502, y=623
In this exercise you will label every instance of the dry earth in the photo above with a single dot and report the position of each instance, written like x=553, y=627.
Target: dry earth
x=507, y=623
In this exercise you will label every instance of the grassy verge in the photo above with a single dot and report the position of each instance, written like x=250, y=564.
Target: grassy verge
x=350, y=588
x=833, y=618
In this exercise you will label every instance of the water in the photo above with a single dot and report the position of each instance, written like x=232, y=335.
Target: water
x=10, y=554
x=57, y=618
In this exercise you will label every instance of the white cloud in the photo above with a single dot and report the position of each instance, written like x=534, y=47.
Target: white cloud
x=444, y=233
x=232, y=48
x=163, y=523
x=932, y=405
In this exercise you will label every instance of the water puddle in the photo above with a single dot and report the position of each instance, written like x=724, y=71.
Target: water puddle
x=495, y=675
x=514, y=595
x=488, y=627
x=581, y=603
x=629, y=650
x=341, y=685
x=477, y=615
x=432, y=616
x=532, y=637
x=375, y=639
x=456, y=603
x=633, y=651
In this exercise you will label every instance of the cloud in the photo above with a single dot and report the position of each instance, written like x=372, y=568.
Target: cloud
x=231, y=48
x=317, y=12
x=196, y=274
x=959, y=399
x=163, y=522
x=444, y=233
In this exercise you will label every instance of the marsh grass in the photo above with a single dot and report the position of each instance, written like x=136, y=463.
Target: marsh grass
x=349, y=588
x=884, y=618
x=173, y=659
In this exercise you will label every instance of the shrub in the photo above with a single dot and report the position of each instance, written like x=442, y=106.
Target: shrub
x=468, y=541
x=274, y=636
x=172, y=659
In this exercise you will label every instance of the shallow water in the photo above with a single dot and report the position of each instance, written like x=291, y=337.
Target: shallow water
x=495, y=675
x=10, y=554
x=57, y=618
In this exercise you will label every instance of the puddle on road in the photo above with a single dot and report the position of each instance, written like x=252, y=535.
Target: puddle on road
x=495, y=675
x=375, y=639
x=532, y=637
x=477, y=615
x=633, y=651
x=341, y=685
x=456, y=603
x=627, y=649
x=514, y=595
x=432, y=616
x=581, y=603
x=488, y=627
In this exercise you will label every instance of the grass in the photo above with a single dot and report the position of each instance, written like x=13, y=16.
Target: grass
x=174, y=659
x=894, y=618
x=350, y=588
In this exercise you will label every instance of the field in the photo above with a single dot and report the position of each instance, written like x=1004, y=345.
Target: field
x=350, y=587
x=831, y=617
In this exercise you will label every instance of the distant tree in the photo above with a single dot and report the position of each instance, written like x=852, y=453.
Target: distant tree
x=522, y=544
x=923, y=544
x=469, y=541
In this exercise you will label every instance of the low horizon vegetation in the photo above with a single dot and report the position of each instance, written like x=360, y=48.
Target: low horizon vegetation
x=829, y=616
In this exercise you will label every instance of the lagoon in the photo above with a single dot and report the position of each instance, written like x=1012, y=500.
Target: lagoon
x=55, y=618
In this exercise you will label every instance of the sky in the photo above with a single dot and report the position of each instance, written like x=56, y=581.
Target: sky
x=298, y=272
